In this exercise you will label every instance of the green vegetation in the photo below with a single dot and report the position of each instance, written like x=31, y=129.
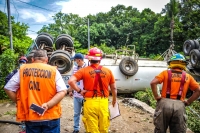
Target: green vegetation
x=193, y=111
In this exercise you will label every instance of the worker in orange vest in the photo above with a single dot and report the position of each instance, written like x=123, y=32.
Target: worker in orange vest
x=96, y=82
x=170, y=108
x=37, y=87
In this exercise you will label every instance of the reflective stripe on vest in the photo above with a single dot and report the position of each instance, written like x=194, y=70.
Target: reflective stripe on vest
x=169, y=83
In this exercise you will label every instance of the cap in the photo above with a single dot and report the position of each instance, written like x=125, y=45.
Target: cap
x=78, y=56
x=22, y=61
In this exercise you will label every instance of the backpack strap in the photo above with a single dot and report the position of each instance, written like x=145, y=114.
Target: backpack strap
x=97, y=80
x=10, y=75
x=181, y=85
x=169, y=83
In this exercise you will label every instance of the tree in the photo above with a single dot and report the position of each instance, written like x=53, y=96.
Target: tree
x=190, y=16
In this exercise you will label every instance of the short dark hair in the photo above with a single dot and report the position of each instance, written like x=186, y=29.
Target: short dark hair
x=40, y=53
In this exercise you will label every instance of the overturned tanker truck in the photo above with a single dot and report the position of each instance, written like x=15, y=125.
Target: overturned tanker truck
x=131, y=73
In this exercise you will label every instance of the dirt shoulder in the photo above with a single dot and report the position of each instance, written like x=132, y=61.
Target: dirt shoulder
x=132, y=119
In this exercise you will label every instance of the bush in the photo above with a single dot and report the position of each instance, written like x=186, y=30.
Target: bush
x=7, y=64
x=146, y=96
x=193, y=111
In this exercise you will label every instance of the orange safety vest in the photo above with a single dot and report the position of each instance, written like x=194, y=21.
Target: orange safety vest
x=37, y=85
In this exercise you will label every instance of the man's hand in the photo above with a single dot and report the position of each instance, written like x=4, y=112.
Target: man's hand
x=83, y=92
x=71, y=94
x=158, y=98
x=45, y=106
x=114, y=102
x=186, y=103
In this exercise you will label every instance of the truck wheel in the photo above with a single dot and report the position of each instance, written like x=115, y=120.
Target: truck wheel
x=188, y=46
x=128, y=66
x=64, y=35
x=61, y=59
x=195, y=58
x=196, y=44
x=64, y=39
x=45, y=38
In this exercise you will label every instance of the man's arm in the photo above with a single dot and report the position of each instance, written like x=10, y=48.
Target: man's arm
x=61, y=92
x=153, y=84
x=72, y=82
x=114, y=93
x=55, y=100
x=11, y=95
x=194, y=96
x=12, y=86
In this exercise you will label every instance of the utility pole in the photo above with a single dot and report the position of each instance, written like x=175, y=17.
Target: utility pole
x=88, y=34
x=9, y=24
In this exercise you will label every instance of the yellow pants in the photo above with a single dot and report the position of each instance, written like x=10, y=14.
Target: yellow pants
x=96, y=115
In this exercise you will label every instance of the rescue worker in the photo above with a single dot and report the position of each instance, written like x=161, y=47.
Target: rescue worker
x=170, y=108
x=78, y=98
x=42, y=85
x=96, y=82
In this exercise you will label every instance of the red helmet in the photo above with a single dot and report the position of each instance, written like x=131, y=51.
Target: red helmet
x=94, y=54
x=22, y=59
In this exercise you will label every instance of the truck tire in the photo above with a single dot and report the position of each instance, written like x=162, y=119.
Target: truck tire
x=64, y=39
x=196, y=44
x=195, y=58
x=61, y=59
x=128, y=66
x=45, y=38
x=64, y=35
x=188, y=46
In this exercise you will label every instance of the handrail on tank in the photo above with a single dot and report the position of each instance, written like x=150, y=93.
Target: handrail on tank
x=31, y=48
x=126, y=52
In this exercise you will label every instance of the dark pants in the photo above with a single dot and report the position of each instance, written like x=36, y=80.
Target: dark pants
x=51, y=126
x=170, y=113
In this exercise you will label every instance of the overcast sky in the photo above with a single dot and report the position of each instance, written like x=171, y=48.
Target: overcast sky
x=37, y=13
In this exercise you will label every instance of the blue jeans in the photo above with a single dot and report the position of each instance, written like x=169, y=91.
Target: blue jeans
x=77, y=112
x=52, y=126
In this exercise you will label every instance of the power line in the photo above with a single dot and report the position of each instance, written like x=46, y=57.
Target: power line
x=16, y=10
x=35, y=24
x=35, y=6
x=32, y=31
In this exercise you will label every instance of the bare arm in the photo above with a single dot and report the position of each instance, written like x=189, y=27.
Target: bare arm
x=55, y=100
x=11, y=95
x=194, y=96
x=114, y=93
x=72, y=82
x=154, y=83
